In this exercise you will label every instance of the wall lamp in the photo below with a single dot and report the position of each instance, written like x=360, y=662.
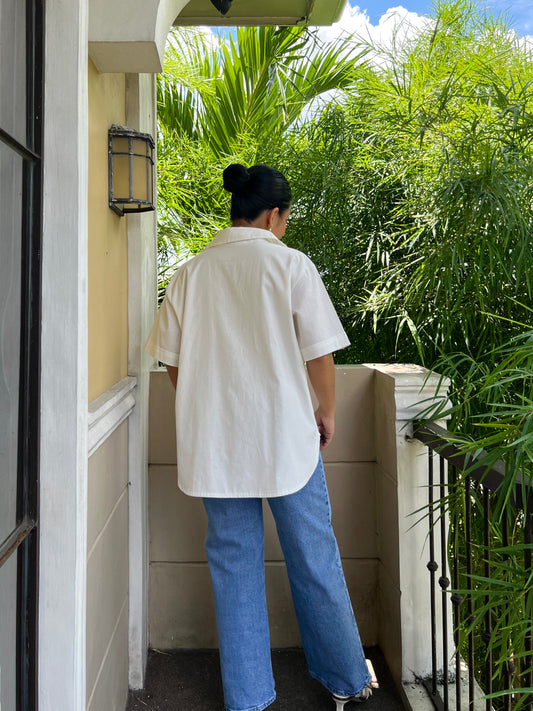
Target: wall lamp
x=131, y=170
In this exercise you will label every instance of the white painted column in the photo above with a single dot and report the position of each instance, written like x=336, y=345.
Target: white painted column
x=63, y=448
x=403, y=393
x=142, y=298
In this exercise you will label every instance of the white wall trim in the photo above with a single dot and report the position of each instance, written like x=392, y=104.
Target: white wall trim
x=109, y=411
x=64, y=367
x=142, y=304
x=408, y=391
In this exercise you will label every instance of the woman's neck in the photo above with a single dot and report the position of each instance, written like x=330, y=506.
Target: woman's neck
x=260, y=222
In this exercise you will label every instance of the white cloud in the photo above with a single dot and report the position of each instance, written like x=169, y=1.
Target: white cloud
x=397, y=23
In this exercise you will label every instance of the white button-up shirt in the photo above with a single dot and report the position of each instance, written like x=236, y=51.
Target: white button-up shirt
x=240, y=320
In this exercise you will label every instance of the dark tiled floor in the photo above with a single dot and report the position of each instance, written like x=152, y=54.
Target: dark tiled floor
x=190, y=681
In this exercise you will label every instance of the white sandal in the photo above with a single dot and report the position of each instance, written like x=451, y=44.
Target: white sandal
x=363, y=696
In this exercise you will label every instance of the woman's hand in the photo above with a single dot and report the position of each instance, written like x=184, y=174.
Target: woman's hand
x=326, y=427
x=172, y=374
x=322, y=376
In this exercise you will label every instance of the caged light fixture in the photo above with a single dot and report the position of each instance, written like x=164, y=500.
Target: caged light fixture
x=131, y=170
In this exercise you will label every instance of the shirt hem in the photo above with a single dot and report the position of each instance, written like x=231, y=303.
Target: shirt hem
x=256, y=495
x=163, y=355
x=330, y=345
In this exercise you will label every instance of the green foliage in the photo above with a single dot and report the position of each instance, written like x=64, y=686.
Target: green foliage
x=500, y=593
x=432, y=164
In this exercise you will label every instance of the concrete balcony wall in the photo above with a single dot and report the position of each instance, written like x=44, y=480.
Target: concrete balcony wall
x=377, y=477
x=180, y=600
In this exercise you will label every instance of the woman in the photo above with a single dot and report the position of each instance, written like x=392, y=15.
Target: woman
x=241, y=327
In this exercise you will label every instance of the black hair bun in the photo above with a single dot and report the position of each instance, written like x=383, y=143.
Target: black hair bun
x=236, y=179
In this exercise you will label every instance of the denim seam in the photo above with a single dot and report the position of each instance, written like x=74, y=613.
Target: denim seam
x=255, y=708
x=326, y=496
x=339, y=692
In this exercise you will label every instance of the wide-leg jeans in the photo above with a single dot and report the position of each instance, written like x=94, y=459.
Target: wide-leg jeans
x=235, y=552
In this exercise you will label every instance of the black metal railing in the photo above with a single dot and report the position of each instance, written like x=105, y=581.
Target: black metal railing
x=462, y=495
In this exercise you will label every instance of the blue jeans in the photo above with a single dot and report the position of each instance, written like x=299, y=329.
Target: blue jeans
x=235, y=551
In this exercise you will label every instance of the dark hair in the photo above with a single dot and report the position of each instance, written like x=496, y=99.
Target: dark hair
x=255, y=189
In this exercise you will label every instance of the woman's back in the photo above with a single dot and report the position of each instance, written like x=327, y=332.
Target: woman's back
x=243, y=409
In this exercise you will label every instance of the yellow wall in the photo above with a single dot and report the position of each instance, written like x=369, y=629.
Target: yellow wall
x=108, y=246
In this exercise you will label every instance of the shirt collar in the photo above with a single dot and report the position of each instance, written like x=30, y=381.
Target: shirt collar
x=242, y=234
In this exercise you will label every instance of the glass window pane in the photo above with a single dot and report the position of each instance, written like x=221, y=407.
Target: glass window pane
x=121, y=177
x=10, y=287
x=13, y=68
x=140, y=178
x=121, y=145
x=8, y=633
x=140, y=147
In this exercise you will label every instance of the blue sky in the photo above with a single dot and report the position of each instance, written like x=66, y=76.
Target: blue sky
x=520, y=12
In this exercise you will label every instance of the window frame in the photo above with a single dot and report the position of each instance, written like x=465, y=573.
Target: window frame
x=23, y=539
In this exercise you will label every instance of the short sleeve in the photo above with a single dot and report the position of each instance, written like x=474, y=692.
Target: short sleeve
x=318, y=328
x=165, y=337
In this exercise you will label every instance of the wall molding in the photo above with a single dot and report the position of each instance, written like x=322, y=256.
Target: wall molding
x=109, y=411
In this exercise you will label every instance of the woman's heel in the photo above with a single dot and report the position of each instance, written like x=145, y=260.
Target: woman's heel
x=363, y=696
x=339, y=702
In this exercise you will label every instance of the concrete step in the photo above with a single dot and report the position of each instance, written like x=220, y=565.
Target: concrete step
x=189, y=680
